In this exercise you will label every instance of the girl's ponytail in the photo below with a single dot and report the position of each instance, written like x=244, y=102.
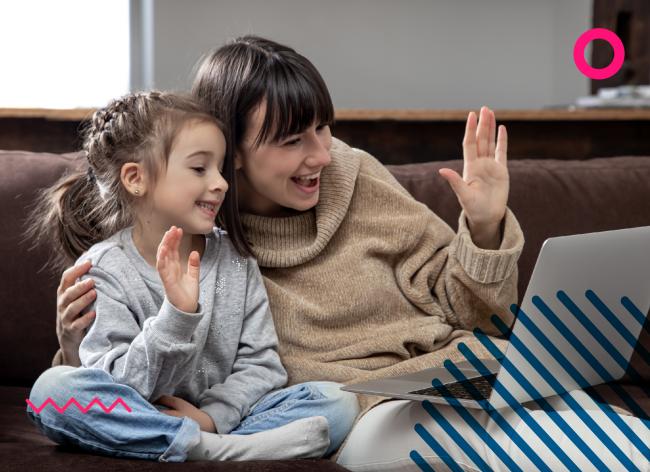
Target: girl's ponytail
x=62, y=218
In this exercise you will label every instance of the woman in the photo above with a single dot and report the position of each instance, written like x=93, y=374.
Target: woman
x=363, y=280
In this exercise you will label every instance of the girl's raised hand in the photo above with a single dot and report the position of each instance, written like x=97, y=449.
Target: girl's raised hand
x=181, y=288
x=483, y=189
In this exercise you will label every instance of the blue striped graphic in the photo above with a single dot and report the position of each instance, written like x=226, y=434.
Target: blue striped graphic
x=577, y=377
x=476, y=427
x=570, y=401
x=557, y=419
x=423, y=465
x=613, y=352
x=582, y=414
x=438, y=449
x=582, y=350
x=523, y=413
x=634, y=311
x=620, y=328
x=453, y=434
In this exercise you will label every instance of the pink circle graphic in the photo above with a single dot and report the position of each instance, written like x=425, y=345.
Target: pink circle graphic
x=579, y=53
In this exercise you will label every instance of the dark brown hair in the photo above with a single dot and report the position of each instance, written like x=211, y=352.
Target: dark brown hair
x=235, y=79
x=84, y=208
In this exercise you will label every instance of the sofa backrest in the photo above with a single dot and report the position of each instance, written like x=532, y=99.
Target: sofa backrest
x=548, y=197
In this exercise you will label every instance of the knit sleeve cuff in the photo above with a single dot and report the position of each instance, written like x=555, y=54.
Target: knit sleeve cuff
x=225, y=418
x=174, y=325
x=490, y=265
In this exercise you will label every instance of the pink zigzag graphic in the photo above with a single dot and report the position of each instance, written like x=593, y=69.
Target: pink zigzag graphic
x=82, y=409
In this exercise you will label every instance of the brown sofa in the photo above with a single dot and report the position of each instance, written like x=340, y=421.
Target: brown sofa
x=549, y=197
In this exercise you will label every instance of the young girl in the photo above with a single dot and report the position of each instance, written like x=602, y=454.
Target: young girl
x=182, y=319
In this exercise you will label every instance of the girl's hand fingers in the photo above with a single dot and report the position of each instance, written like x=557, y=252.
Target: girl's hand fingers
x=161, y=259
x=193, y=265
x=501, y=153
x=469, y=140
x=178, y=234
x=166, y=245
x=171, y=401
x=71, y=274
x=493, y=134
x=164, y=400
x=162, y=244
x=173, y=253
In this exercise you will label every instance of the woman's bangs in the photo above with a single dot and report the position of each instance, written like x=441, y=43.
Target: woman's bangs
x=294, y=102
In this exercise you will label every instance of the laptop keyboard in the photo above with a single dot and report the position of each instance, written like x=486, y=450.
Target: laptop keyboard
x=462, y=389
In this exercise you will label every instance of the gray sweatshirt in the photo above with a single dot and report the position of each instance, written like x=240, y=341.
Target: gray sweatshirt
x=221, y=359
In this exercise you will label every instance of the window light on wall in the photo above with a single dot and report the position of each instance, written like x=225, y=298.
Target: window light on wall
x=64, y=53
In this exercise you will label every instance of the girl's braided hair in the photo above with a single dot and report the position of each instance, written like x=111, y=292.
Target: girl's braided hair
x=86, y=207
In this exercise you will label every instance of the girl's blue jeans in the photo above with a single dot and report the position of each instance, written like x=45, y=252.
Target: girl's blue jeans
x=147, y=433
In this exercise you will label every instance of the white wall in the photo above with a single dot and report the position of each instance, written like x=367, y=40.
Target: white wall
x=394, y=54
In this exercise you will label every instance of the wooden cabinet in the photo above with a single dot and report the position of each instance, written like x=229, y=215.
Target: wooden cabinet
x=630, y=20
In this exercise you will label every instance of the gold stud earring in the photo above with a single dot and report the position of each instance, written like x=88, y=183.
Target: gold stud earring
x=136, y=191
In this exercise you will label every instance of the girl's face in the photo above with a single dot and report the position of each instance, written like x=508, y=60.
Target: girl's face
x=285, y=175
x=191, y=191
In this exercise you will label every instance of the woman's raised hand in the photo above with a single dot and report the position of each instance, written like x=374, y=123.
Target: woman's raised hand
x=181, y=288
x=483, y=189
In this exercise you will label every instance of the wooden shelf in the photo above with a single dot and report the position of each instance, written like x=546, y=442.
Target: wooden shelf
x=73, y=114
x=347, y=114
x=400, y=136
x=566, y=114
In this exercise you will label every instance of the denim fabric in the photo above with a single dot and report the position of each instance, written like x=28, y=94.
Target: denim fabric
x=146, y=433
x=301, y=401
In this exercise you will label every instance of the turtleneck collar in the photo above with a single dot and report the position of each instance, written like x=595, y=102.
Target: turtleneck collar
x=294, y=240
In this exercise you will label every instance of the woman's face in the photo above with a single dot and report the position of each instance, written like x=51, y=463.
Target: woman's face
x=277, y=177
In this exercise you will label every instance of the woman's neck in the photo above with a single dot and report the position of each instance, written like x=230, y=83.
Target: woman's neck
x=147, y=239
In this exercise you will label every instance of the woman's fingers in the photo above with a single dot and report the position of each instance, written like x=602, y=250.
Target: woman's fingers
x=469, y=140
x=455, y=180
x=71, y=274
x=501, y=152
x=72, y=311
x=483, y=132
x=83, y=322
x=493, y=135
x=74, y=292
